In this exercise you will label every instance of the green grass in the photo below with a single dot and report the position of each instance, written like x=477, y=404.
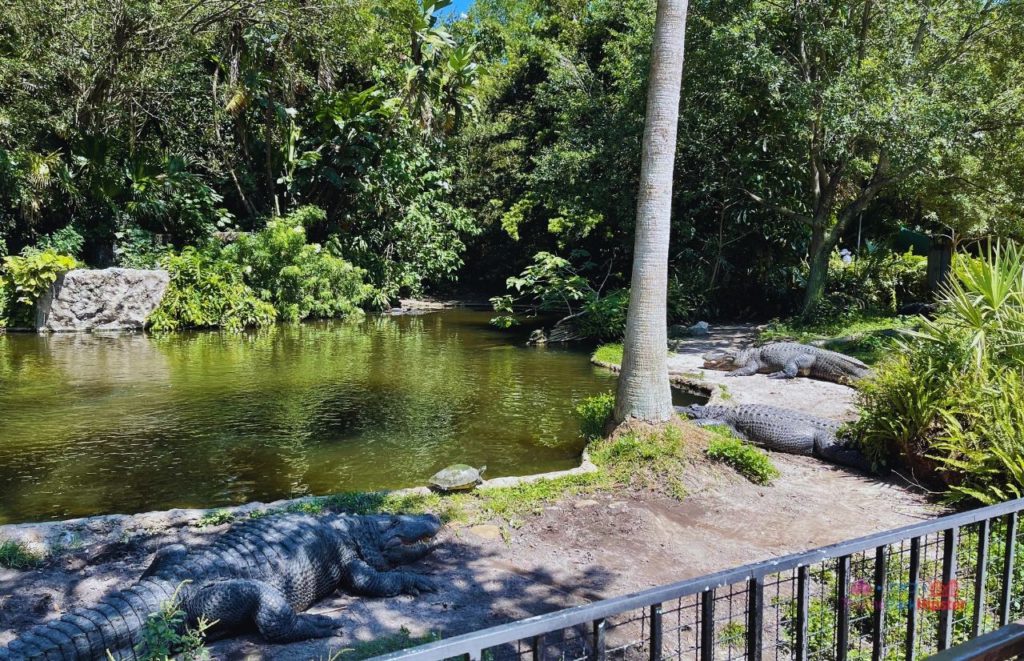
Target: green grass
x=15, y=555
x=608, y=353
x=215, y=518
x=857, y=337
x=751, y=462
x=386, y=645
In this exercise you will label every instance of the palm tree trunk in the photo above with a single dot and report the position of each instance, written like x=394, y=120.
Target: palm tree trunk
x=643, y=390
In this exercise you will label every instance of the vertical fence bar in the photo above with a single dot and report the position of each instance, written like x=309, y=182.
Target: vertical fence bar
x=803, y=588
x=755, y=617
x=1011, y=547
x=707, y=625
x=538, y=648
x=878, y=614
x=913, y=574
x=950, y=540
x=656, y=632
x=600, y=652
x=843, y=607
x=980, y=576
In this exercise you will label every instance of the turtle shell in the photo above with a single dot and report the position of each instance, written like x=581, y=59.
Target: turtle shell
x=455, y=477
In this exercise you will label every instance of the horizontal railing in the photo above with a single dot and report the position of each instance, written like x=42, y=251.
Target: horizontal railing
x=901, y=594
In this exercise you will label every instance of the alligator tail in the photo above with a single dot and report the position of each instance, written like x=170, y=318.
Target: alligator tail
x=113, y=625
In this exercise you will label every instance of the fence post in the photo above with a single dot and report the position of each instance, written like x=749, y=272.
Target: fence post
x=707, y=625
x=803, y=597
x=655, y=632
x=843, y=608
x=878, y=614
x=1011, y=547
x=755, y=617
x=950, y=541
x=980, y=576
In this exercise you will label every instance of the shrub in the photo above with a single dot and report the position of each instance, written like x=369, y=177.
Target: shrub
x=65, y=241
x=301, y=280
x=14, y=555
x=751, y=462
x=165, y=635
x=28, y=276
x=949, y=402
x=876, y=283
x=594, y=414
x=207, y=291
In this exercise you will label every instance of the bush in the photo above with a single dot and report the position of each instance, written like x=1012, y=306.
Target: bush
x=27, y=277
x=301, y=280
x=751, y=462
x=166, y=635
x=950, y=402
x=594, y=414
x=14, y=555
x=877, y=283
x=207, y=291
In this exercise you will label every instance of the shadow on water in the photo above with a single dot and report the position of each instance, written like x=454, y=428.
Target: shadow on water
x=96, y=424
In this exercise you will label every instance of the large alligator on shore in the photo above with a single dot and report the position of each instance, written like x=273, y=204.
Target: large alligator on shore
x=786, y=360
x=781, y=430
x=260, y=574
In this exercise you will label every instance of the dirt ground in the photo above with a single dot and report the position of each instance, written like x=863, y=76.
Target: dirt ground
x=578, y=550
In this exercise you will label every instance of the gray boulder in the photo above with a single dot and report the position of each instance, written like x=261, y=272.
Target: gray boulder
x=101, y=300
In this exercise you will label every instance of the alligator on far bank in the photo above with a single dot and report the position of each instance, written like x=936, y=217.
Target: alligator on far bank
x=260, y=574
x=786, y=360
x=781, y=430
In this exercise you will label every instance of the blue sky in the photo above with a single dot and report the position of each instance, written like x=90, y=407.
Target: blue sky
x=459, y=6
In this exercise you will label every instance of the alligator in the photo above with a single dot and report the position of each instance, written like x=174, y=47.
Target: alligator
x=781, y=430
x=259, y=574
x=785, y=360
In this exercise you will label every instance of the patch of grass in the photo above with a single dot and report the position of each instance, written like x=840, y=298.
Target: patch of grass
x=751, y=462
x=512, y=503
x=386, y=645
x=608, y=353
x=732, y=634
x=644, y=458
x=15, y=555
x=594, y=414
x=166, y=634
x=215, y=518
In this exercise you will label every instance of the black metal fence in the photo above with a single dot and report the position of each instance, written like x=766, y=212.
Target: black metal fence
x=902, y=594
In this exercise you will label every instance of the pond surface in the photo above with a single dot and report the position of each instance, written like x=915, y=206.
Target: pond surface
x=93, y=424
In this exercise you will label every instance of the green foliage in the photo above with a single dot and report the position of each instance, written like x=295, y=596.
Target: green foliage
x=949, y=401
x=208, y=291
x=609, y=354
x=594, y=413
x=654, y=459
x=873, y=285
x=14, y=555
x=215, y=518
x=868, y=338
x=300, y=279
x=751, y=462
x=166, y=636
x=65, y=241
x=26, y=277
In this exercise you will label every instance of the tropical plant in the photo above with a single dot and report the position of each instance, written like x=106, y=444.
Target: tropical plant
x=948, y=402
x=208, y=291
x=26, y=277
x=643, y=388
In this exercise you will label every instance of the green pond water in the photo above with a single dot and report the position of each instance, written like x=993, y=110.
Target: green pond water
x=93, y=424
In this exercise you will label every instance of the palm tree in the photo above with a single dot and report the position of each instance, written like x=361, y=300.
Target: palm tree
x=643, y=391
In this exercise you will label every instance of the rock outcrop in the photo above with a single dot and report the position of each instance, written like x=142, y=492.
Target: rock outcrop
x=101, y=300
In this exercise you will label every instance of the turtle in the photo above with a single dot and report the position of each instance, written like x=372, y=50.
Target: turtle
x=457, y=477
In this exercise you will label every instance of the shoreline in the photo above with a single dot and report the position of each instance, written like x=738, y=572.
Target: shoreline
x=49, y=539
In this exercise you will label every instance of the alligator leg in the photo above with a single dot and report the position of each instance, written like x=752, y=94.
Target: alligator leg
x=791, y=369
x=826, y=447
x=168, y=556
x=238, y=603
x=753, y=367
x=364, y=579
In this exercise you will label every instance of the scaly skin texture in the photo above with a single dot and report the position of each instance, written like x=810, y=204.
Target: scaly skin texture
x=786, y=360
x=781, y=430
x=260, y=574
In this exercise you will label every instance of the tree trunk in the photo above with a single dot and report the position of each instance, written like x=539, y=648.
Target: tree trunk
x=644, y=391
x=817, y=276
